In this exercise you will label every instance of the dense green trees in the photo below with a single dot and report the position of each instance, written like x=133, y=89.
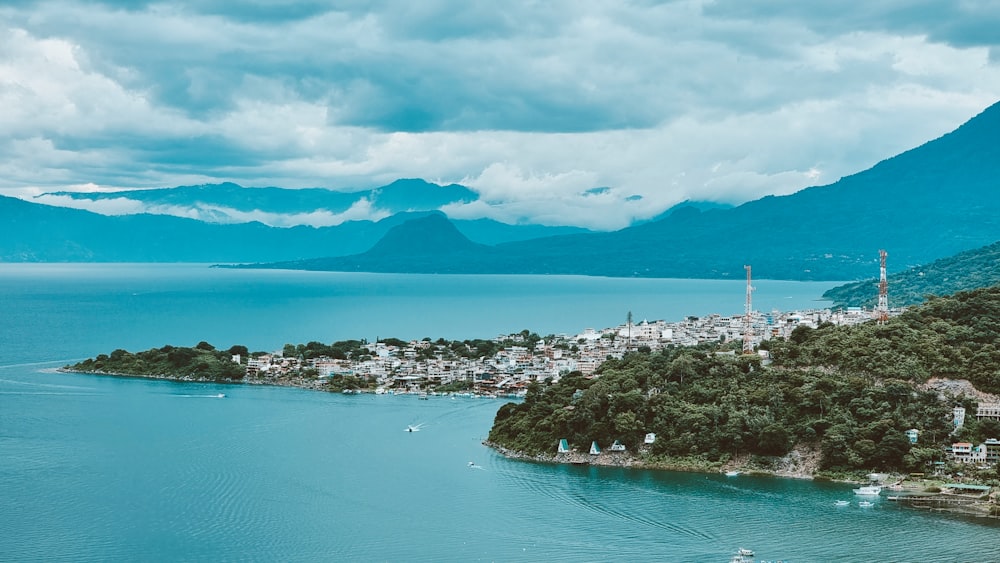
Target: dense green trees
x=947, y=337
x=717, y=406
x=202, y=362
x=849, y=392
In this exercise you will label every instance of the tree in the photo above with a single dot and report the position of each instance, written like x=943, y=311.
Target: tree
x=773, y=440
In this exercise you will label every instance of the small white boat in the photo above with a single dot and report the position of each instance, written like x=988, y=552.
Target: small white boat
x=870, y=490
x=842, y=503
x=422, y=396
x=865, y=504
x=221, y=396
x=732, y=473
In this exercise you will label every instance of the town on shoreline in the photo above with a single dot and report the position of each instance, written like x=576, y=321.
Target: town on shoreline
x=507, y=364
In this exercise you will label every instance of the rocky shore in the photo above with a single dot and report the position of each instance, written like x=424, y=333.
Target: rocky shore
x=610, y=459
x=801, y=463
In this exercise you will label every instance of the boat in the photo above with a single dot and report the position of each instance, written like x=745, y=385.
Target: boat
x=743, y=555
x=422, y=396
x=594, y=448
x=869, y=490
x=221, y=396
x=865, y=504
x=733, y=473
x=842, y=503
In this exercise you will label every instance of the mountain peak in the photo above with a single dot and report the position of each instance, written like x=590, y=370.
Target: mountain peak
x=431, y=234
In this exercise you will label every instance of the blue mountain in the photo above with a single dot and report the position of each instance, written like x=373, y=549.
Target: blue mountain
x=930, y=202
x=398, y=197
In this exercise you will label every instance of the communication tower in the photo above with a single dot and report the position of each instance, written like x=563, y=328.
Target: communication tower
x=748, y=318
x=882, y=309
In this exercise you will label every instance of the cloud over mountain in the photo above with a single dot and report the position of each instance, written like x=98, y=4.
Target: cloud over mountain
x=530, y=104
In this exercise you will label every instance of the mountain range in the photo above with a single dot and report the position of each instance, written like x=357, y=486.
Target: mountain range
x=931, y=202
x=231, y=203
x=43, y=233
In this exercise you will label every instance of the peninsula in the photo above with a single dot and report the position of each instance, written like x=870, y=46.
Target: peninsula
x=828, y=394
x=830, y=401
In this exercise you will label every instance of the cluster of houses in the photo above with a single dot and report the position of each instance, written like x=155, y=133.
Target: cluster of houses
x=987, y=453
x=414, y=368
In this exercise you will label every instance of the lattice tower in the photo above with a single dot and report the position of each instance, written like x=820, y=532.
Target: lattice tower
x=748, y=318
x=882, y=309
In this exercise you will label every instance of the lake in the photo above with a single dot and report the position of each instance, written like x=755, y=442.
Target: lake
x=114, y=469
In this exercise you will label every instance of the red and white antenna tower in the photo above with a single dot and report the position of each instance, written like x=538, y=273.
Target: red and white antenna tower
x=882, y=309
x=748, y=318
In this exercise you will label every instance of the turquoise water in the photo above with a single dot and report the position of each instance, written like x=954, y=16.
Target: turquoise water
x=114, y=469
x=55, y=311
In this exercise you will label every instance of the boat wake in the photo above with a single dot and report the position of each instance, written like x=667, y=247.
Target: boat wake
x=45, y=385
x=56, y=363
x=571, y=492
x=59, y=393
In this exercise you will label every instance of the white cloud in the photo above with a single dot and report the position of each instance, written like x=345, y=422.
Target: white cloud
x=530, y=104
x=362, y=210
x=113, y=206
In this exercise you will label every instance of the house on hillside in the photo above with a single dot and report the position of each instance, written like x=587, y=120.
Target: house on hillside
x=965, y=452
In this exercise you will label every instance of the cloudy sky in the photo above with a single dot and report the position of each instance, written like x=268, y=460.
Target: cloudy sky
x=532, y=104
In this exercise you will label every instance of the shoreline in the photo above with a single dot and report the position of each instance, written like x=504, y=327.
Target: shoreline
x=629, y=460
x=912, y=496
x=298, y=383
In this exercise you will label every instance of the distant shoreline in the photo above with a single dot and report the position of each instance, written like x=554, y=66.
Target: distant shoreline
x=299, y=383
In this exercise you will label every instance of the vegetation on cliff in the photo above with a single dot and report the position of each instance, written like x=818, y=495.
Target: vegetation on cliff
x=848, y=392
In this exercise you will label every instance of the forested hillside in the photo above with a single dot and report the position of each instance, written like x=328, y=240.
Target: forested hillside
x=965, y=271
x=848, y=392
